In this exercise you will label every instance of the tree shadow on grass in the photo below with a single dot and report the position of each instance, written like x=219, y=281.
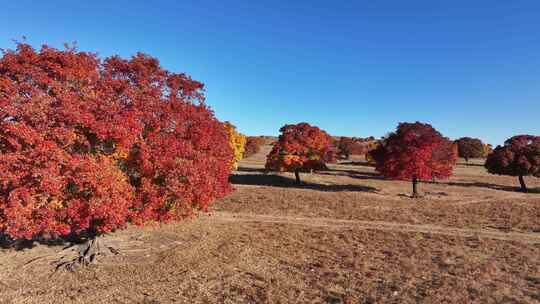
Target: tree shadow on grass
x=353, y=174
x=534, y=190
x=18, y=245
x=331, y=172
x=245, y=169
x=8, y=243
x=281, y=181
x=484, y=185
x=423, y=195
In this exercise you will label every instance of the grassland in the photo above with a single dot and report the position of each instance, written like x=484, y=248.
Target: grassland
x=345, y=236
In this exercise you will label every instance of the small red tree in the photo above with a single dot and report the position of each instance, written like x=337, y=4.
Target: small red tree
x=88, y=145
x=300, y=148
x=347, y=146
x=415, y=151
x=470, y=148
x=253, y=145
x=344, y=146
x=519, y=156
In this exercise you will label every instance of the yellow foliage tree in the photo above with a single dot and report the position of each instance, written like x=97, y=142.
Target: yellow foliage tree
x=237, y=141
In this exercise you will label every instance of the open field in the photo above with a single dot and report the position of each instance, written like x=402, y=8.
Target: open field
x=346, y=236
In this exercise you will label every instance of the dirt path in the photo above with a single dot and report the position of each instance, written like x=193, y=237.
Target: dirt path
x=532, y=238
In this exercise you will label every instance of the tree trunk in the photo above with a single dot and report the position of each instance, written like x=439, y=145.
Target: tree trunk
x=297, y=175
x=466, y=159
x=84, y=254
x=414, y=190
x=522, y=183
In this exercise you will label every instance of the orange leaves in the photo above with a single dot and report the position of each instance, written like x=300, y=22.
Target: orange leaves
x=293, y=161
x=300, y=147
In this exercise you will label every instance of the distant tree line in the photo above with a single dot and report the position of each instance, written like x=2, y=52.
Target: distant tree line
x=413, y=152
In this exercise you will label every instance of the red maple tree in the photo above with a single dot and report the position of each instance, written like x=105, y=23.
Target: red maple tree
x=519, y=156
x=300, y=148
x=415, y=151
x=88, y=145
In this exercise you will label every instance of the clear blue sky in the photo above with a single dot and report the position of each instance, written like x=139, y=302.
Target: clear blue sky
x=350, y=67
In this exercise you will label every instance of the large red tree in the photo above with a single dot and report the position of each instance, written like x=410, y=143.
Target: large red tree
x=519, y=156
x=88, y=145
x=415, y=151
x=300, y=148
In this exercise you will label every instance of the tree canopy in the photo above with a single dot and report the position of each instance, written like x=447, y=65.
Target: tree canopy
x=301, y=147
x=415, y=151
x=471, y=148
x=519, y=156
x=89, y=144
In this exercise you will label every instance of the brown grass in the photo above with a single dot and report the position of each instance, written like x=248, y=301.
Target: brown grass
x=346, y=236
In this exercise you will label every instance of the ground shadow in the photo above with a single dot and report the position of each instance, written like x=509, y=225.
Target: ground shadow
x=534, y=190
x=483, y=185
x=244, y=169
x=8, y=243
x=352, y=174
x=281, y=181
x=410, y=196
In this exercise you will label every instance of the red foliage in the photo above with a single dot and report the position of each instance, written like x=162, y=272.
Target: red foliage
x=90, y=145
x=253, y=145
x=519, y=156
x=301, y=147
x=470, y=148
x=414, y=152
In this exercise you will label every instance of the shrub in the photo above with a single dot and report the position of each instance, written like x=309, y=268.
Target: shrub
x=519, y=156
x=300, y=148
x=415, y=151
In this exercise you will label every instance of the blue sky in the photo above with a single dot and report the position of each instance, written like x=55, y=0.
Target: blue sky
x=470, y=68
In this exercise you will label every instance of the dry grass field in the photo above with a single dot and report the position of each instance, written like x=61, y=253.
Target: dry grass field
x=345, y=236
